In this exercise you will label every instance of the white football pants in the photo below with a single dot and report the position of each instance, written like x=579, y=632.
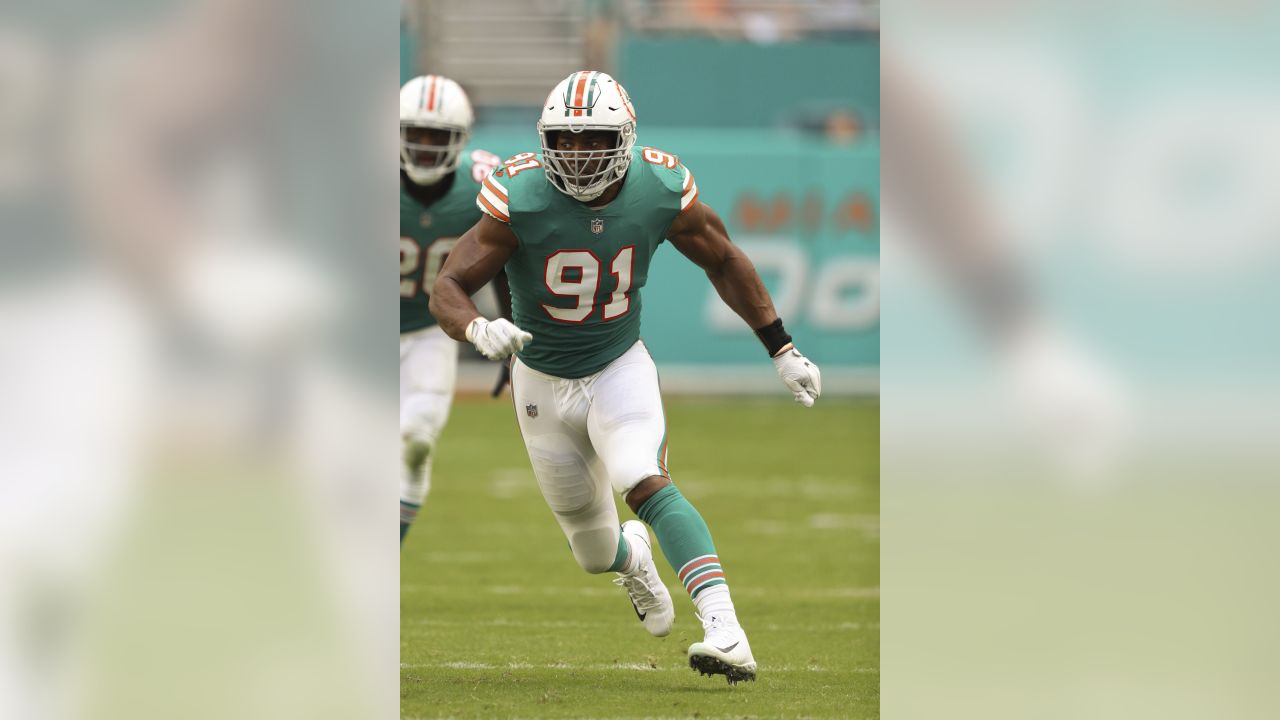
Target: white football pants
x=428, y=373
x=587, y=435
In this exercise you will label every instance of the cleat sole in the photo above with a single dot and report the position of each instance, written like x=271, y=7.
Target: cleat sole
x=709, y=666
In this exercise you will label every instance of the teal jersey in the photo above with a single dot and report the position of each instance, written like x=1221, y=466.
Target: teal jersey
x=577, y=273
x=429, y=231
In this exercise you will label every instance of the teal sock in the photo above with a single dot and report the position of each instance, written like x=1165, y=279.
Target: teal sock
x=685, y=540
x=624, y=554
x=408, y=511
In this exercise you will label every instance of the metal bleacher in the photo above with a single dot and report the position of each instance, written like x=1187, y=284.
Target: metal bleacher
x=504, y=52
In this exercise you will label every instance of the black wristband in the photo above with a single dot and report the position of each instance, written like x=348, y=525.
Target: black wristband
x=773, y=336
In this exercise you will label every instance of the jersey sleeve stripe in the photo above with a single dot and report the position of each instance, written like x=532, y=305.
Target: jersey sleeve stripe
x=496, y=200
x=689, y=199
x=489, y=208
x=690, y=191
x=499, y=203
x=496, y=189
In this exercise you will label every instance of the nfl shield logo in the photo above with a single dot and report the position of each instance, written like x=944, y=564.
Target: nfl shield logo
x=597, y=225
x=531, y=410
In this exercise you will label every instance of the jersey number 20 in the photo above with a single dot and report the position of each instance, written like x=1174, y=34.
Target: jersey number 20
x=411, y=259
x=576, y=274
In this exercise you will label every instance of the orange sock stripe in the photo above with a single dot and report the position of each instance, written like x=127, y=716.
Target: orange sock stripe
x=693, y=594
x=699, y=577
x=694, y=565
x=702, y=580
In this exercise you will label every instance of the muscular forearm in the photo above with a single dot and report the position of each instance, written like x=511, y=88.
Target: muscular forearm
x=451, y=306
x=739, y=285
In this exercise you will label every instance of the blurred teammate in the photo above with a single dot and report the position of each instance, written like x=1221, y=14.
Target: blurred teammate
x=438, y=185
x=576, y=228
x=1071, y=403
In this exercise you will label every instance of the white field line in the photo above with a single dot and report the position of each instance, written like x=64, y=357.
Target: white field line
x=641, y=667
x=702, y=716
x=551, y=624
x=576, y=624
x=463, y=557
x=510, y=483
x=853, y=593
x=868, y=525
x=588, y=717
x=791, y=488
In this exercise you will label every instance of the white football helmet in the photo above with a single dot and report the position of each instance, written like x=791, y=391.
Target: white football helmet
x=436, y=103
x=587, y=100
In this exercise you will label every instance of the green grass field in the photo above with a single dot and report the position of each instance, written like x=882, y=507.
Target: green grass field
x=497, y=620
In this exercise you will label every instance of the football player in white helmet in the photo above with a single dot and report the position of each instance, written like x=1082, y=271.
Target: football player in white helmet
x=586, y=390
x=584, y=170
x=438, y=185
x=435, y=125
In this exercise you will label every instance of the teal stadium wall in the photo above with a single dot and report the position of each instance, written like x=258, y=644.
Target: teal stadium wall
x=683, y=81
x=408, y=52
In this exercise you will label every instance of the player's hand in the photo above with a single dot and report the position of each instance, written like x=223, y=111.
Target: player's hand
x=504, y=377
x=800, y=376
x=496, y=340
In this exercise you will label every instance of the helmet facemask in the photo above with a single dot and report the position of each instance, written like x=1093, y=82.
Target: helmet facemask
x=427, y=162
x=585, y=174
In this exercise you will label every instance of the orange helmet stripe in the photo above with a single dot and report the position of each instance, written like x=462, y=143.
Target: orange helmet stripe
x=431, y=92
x=580, y=91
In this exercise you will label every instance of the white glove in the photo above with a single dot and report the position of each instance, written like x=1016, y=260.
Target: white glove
x=498, y=339
x=799, y=375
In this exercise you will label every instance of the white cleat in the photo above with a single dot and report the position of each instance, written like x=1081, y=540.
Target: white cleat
x=649, y=597
x=723, y=651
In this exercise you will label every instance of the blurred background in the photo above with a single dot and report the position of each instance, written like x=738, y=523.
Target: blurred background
x=197, y=406
x=1079, y=389
x=198, y=437
x=775, y=107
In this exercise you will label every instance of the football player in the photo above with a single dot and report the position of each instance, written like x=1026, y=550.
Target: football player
x=576, y=227
x=439, y=180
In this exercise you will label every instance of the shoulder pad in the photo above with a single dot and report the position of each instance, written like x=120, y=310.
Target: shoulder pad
x=674, y=175
x=512, y=178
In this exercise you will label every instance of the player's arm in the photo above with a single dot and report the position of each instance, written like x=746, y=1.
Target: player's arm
x=502, y=288
x=478, y=257
x=699, y=234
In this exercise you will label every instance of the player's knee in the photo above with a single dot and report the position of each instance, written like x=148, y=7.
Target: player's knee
x=636, y=496
x=627, y=475
x=596, y=549
x=416, y=449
